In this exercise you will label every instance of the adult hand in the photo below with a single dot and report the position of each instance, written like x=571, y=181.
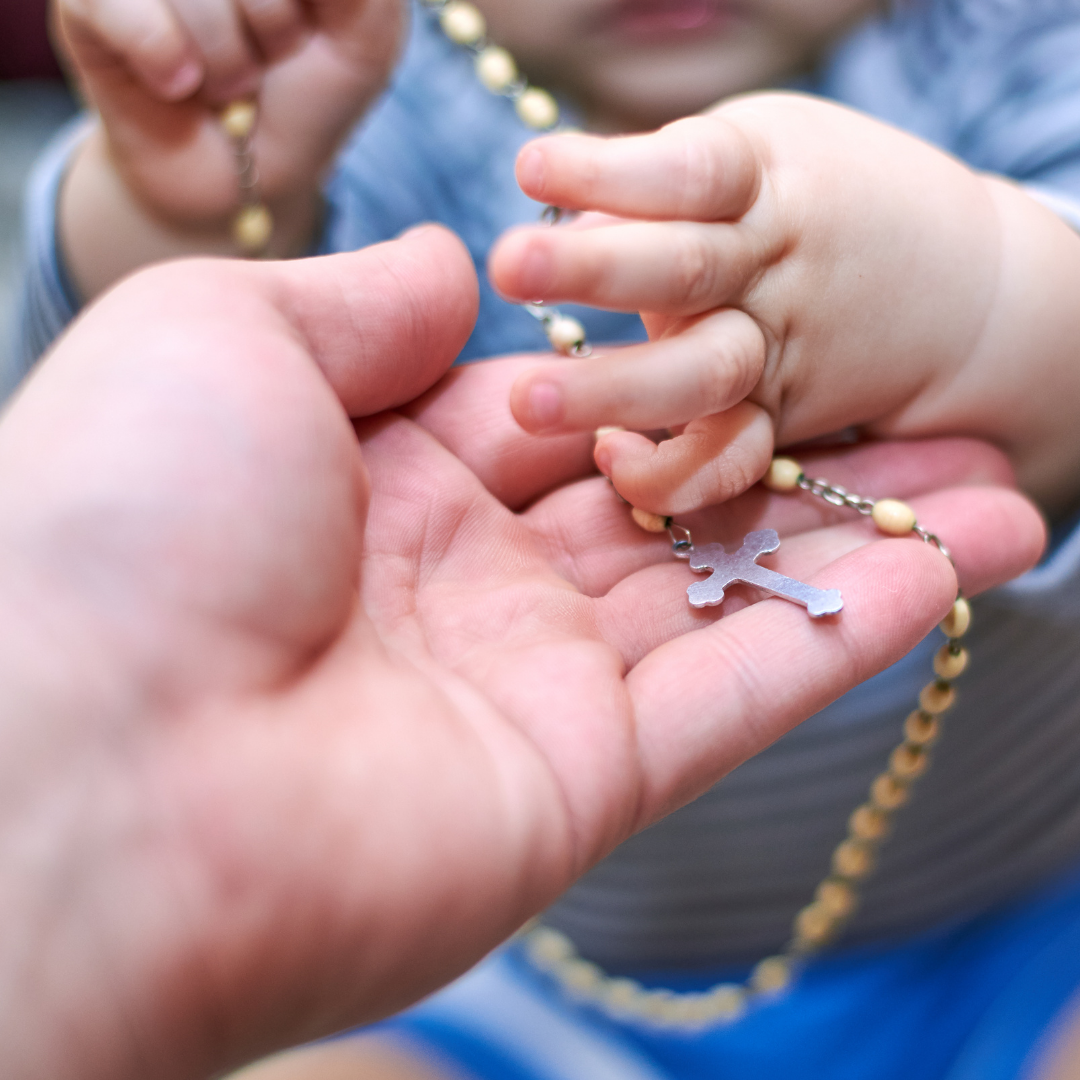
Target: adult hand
x=299, y=720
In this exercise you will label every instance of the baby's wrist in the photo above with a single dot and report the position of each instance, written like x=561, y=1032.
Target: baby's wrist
x=108, y=227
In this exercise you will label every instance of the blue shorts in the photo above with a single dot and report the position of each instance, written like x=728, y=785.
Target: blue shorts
x=972, y=1001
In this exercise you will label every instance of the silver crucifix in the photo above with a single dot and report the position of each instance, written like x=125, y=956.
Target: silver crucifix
x=742, y=567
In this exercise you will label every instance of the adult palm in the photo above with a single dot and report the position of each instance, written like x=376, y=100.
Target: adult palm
x=300, y=719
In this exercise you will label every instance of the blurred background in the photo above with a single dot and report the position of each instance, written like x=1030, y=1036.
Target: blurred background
x=34, y=102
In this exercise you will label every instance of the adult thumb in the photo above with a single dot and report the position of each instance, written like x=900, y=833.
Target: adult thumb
x=383, y=323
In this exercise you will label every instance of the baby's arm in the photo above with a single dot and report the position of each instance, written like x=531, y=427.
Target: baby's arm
x=801, y=268
x=157, y=176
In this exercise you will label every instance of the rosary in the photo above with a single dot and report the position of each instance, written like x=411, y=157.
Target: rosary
x=820, y=922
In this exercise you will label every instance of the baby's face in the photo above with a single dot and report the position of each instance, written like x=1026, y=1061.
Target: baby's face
x=635, y=64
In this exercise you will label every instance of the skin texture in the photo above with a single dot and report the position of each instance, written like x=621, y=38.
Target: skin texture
x=299, y=718
x=801, y=269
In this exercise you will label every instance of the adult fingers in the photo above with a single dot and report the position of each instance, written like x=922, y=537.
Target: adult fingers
x=677, y=268
x=383, y=322
x=707, y=368
x=468, y=411
x=709, y=700
x=146, y=38
x=957, y=514
x=699, y=169
x=713, y=459
x=588, y=533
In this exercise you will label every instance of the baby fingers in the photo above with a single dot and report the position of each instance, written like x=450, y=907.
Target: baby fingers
x=701, y=169
x=678, y=268
x=275, y=25
x=146, y=38
x=706, y=368
x=713, y=459
x=220, y=31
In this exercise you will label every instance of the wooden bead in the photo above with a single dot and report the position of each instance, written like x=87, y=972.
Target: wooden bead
x=238, y=119
x=654, y=1004
x=580, y=975
x=888, y=793
x=920, y=728
x=726, y=1001
x=837, y=898
x=936, y=697
x=956, y=623
x=679, y=1010
x=496, y=69
x=547, y=947
x=893, y=517
x=252, y=229
x=814, y=925
x=867, y=823
x=654, y=523
x=462, y=23
x=852, y=859
x=565, y=334
x=949, y=664
x=695, y=1009
x=771, y=975
x=783, y=474
x=537, y=109
x=908, y=762
x=623, y=995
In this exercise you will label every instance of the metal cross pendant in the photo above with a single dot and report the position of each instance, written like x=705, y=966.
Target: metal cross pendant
x=742, y=567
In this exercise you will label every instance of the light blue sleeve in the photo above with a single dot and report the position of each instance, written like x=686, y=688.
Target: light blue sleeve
x=47, y=302
x=995, y=82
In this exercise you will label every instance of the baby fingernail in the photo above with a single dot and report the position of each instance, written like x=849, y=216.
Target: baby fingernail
x=536, y=269
x=602, y=457
x=545, y=405
x=530, y=170
x=184, y=80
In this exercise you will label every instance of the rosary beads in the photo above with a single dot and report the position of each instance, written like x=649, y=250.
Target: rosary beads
x=253, y=224
x=464, y=24
x=837, y=896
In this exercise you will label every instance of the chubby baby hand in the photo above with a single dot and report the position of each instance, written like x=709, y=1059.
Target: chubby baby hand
x=800, y=269
x=158, y=177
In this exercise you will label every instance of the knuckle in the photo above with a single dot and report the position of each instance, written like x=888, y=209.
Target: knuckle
x=695, y=273
x=698, y=174
x=741, y=351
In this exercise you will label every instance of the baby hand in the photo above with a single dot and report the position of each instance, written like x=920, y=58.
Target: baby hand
x=801, y=269
x=159, y=72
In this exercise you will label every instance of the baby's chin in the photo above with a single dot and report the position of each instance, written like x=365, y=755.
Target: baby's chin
x=641, y=86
